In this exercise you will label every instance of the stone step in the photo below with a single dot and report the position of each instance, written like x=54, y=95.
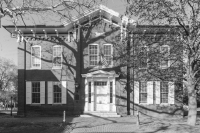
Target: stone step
x=99, y=114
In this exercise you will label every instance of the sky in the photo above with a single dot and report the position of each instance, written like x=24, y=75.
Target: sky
x=8, y=45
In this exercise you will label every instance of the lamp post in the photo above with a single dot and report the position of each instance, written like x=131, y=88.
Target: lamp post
x=11, y=107
x=130, y=26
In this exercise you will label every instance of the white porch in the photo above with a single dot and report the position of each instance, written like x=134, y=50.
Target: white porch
x=100, y=93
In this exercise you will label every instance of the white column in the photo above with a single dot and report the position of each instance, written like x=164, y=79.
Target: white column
x=114, y=106
x=86, y=95
x=92, y=95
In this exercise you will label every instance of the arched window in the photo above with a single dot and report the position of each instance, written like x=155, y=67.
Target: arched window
x=36, y=57
x=57, y=56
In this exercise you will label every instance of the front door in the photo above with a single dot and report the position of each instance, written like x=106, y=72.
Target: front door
x=101, y=96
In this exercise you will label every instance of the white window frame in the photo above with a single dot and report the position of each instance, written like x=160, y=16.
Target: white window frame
x=59, y=84
x=140, y=85
x=161, y=84
x=35, y=92
x=91, y=55
x=57, y=67
x=33, y=67
x=111, y=64
x=168, y=62
x=147, y=57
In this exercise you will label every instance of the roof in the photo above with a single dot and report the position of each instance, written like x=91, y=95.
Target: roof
x=97, y=12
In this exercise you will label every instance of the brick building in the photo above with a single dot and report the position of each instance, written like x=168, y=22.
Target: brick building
x=72, y=67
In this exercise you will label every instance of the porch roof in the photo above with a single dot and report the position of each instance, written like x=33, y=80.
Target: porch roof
x=100, y=73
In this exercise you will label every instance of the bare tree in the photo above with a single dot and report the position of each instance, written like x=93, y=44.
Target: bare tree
x=184, y=14
x=24, y=11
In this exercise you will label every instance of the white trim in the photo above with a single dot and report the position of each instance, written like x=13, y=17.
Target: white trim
x=42, y=92
x=28, y=92
x=157, y=91
x=150, y=92
x=50, y=92
x=32, y=67
x=57, y=67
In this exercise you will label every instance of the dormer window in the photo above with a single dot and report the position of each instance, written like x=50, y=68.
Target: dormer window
x=36, y=57
x=57, y=56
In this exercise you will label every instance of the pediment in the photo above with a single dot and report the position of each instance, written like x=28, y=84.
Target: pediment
x=100, y=73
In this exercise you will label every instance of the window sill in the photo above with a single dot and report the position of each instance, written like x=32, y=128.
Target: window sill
x=55, y=68
x=35, y=104
x=164, y=104
x=35, y=68
x=143, y=103
x=56, y=104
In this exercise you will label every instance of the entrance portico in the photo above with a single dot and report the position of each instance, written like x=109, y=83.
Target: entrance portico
x=100, y=91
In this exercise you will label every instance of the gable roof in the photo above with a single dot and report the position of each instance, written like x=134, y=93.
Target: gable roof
x=100, y=73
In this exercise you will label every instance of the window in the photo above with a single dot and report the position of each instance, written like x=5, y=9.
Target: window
x=164, y=50
x=143, y=92
x=164, y=92
x=57, y=92
x=143, y=58
x=57, y=56
x=93, y=55
x=36, y=56
x=35, y=92
x=89, y=93
x=100, y=83
x=111, y=92
x=107, y=50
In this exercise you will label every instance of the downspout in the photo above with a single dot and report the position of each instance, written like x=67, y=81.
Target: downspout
x=24, y=78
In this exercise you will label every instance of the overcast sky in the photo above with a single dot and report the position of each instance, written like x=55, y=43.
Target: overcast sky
x=8, y=45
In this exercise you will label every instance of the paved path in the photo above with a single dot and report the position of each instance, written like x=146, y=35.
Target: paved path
x=109, y=125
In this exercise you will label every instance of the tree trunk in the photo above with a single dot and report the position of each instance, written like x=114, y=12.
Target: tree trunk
x=192, y=104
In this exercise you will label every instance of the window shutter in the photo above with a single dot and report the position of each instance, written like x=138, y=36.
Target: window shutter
x=150, y=92
x=28, y=92
x=50, y=92
x=136, y=92
x=42, y=92
x=64, y=91
x=157, y=89
x=171, y=93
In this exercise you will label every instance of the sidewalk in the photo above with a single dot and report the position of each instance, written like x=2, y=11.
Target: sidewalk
x=109, y=125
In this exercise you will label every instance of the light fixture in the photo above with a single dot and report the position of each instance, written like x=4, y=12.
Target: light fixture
x=76, y=84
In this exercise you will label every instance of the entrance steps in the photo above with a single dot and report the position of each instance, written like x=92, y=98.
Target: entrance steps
x=99, y=114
